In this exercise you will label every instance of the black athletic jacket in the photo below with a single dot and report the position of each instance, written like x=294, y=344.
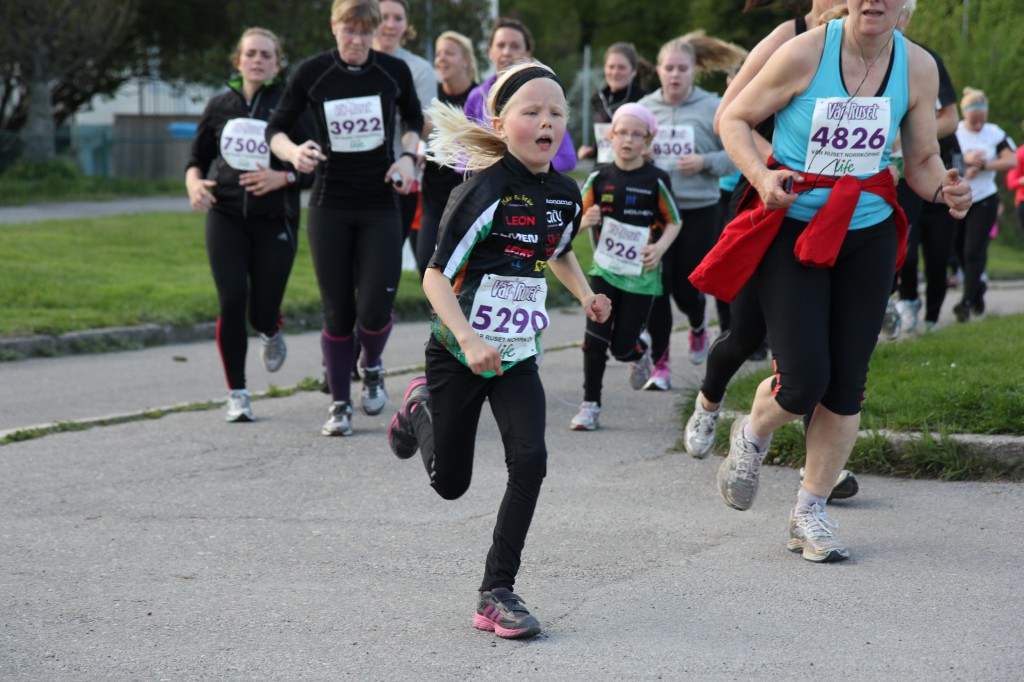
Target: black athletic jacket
x=350, y=179
x=205, y=154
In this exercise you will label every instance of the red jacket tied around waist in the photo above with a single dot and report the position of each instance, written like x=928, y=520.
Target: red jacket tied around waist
x=744, y=241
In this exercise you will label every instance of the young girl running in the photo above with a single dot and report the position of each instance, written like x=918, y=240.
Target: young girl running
x=633, y=218
x=501, y=230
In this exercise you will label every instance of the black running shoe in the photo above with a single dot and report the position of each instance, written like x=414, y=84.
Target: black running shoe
x=845, y=487
x=962, y=310
x=978, y=306
x=505, y=612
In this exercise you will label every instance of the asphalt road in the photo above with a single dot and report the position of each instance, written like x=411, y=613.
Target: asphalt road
x=186, y=548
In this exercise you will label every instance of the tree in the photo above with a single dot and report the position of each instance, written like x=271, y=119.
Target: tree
x=54, y=57
x=981, y=46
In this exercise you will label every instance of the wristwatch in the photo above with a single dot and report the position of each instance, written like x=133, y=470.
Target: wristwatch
x=289, y=178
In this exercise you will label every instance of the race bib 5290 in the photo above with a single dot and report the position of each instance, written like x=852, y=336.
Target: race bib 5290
x=508, y=313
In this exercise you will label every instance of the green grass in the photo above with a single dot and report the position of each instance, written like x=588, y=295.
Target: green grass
x=60, y=180
x=965, y=378
x=63, y=276
x=943, y=458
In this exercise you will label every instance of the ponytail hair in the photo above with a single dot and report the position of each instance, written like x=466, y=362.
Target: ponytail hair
x=461, y=144
x=709, y=54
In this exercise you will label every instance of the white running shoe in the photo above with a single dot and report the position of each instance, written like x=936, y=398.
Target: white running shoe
x=909, y=312
x=640, y=371
x=586, y=419
x=661, y=377
x=274, y=351
x=813, y=532
x=339, y=420
x=699, y=347
x=891, y=322
x=238, y=407
x=699, y=437
x=374, y=398
x=739, y=473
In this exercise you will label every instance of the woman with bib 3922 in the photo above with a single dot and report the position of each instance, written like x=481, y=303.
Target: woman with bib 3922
x=355, y=230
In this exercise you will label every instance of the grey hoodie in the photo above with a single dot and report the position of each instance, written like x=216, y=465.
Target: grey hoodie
x=700, y=190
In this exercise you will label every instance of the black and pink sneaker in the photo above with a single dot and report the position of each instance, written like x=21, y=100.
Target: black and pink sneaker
x=401, y=435
x=505, y=612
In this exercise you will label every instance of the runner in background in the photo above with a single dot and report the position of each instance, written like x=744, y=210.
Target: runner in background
x=1015, y=183
x=457, y=75
x=622, y=65
x=632, y=217
x=931, y=227
x=251, y=201
x=390, y=37
x=986, y=150
x=688, y=148
x=511, y=42
x=747, y=332
x=355, y=230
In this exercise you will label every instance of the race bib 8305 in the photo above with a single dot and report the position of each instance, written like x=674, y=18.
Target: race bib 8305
x=671, y=144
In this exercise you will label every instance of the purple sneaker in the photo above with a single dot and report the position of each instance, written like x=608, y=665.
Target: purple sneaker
x=505, y=612
x=698, y=347
x=401, y=435
x=661, y=377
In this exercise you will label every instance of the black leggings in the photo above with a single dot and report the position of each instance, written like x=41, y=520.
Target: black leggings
x=251, y=259
x=447, y=439
x=972, y=244
x=688, y=250
x=430, y=222
x=731, y=348
x=823, y=323
x=723, y=217
x=933, y=231
x=620, y=333
x=357, y=256
x=407, y=208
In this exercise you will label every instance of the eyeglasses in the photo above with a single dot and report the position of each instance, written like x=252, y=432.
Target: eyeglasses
x=349, y=33
x=622, y=135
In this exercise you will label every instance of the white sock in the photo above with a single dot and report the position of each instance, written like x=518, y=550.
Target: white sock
x=760, y=443
x=805, y=499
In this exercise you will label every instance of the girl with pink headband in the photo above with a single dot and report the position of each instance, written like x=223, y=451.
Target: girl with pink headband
x=633, y=219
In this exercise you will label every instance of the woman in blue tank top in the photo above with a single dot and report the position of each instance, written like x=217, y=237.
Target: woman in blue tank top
x=839, y=94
